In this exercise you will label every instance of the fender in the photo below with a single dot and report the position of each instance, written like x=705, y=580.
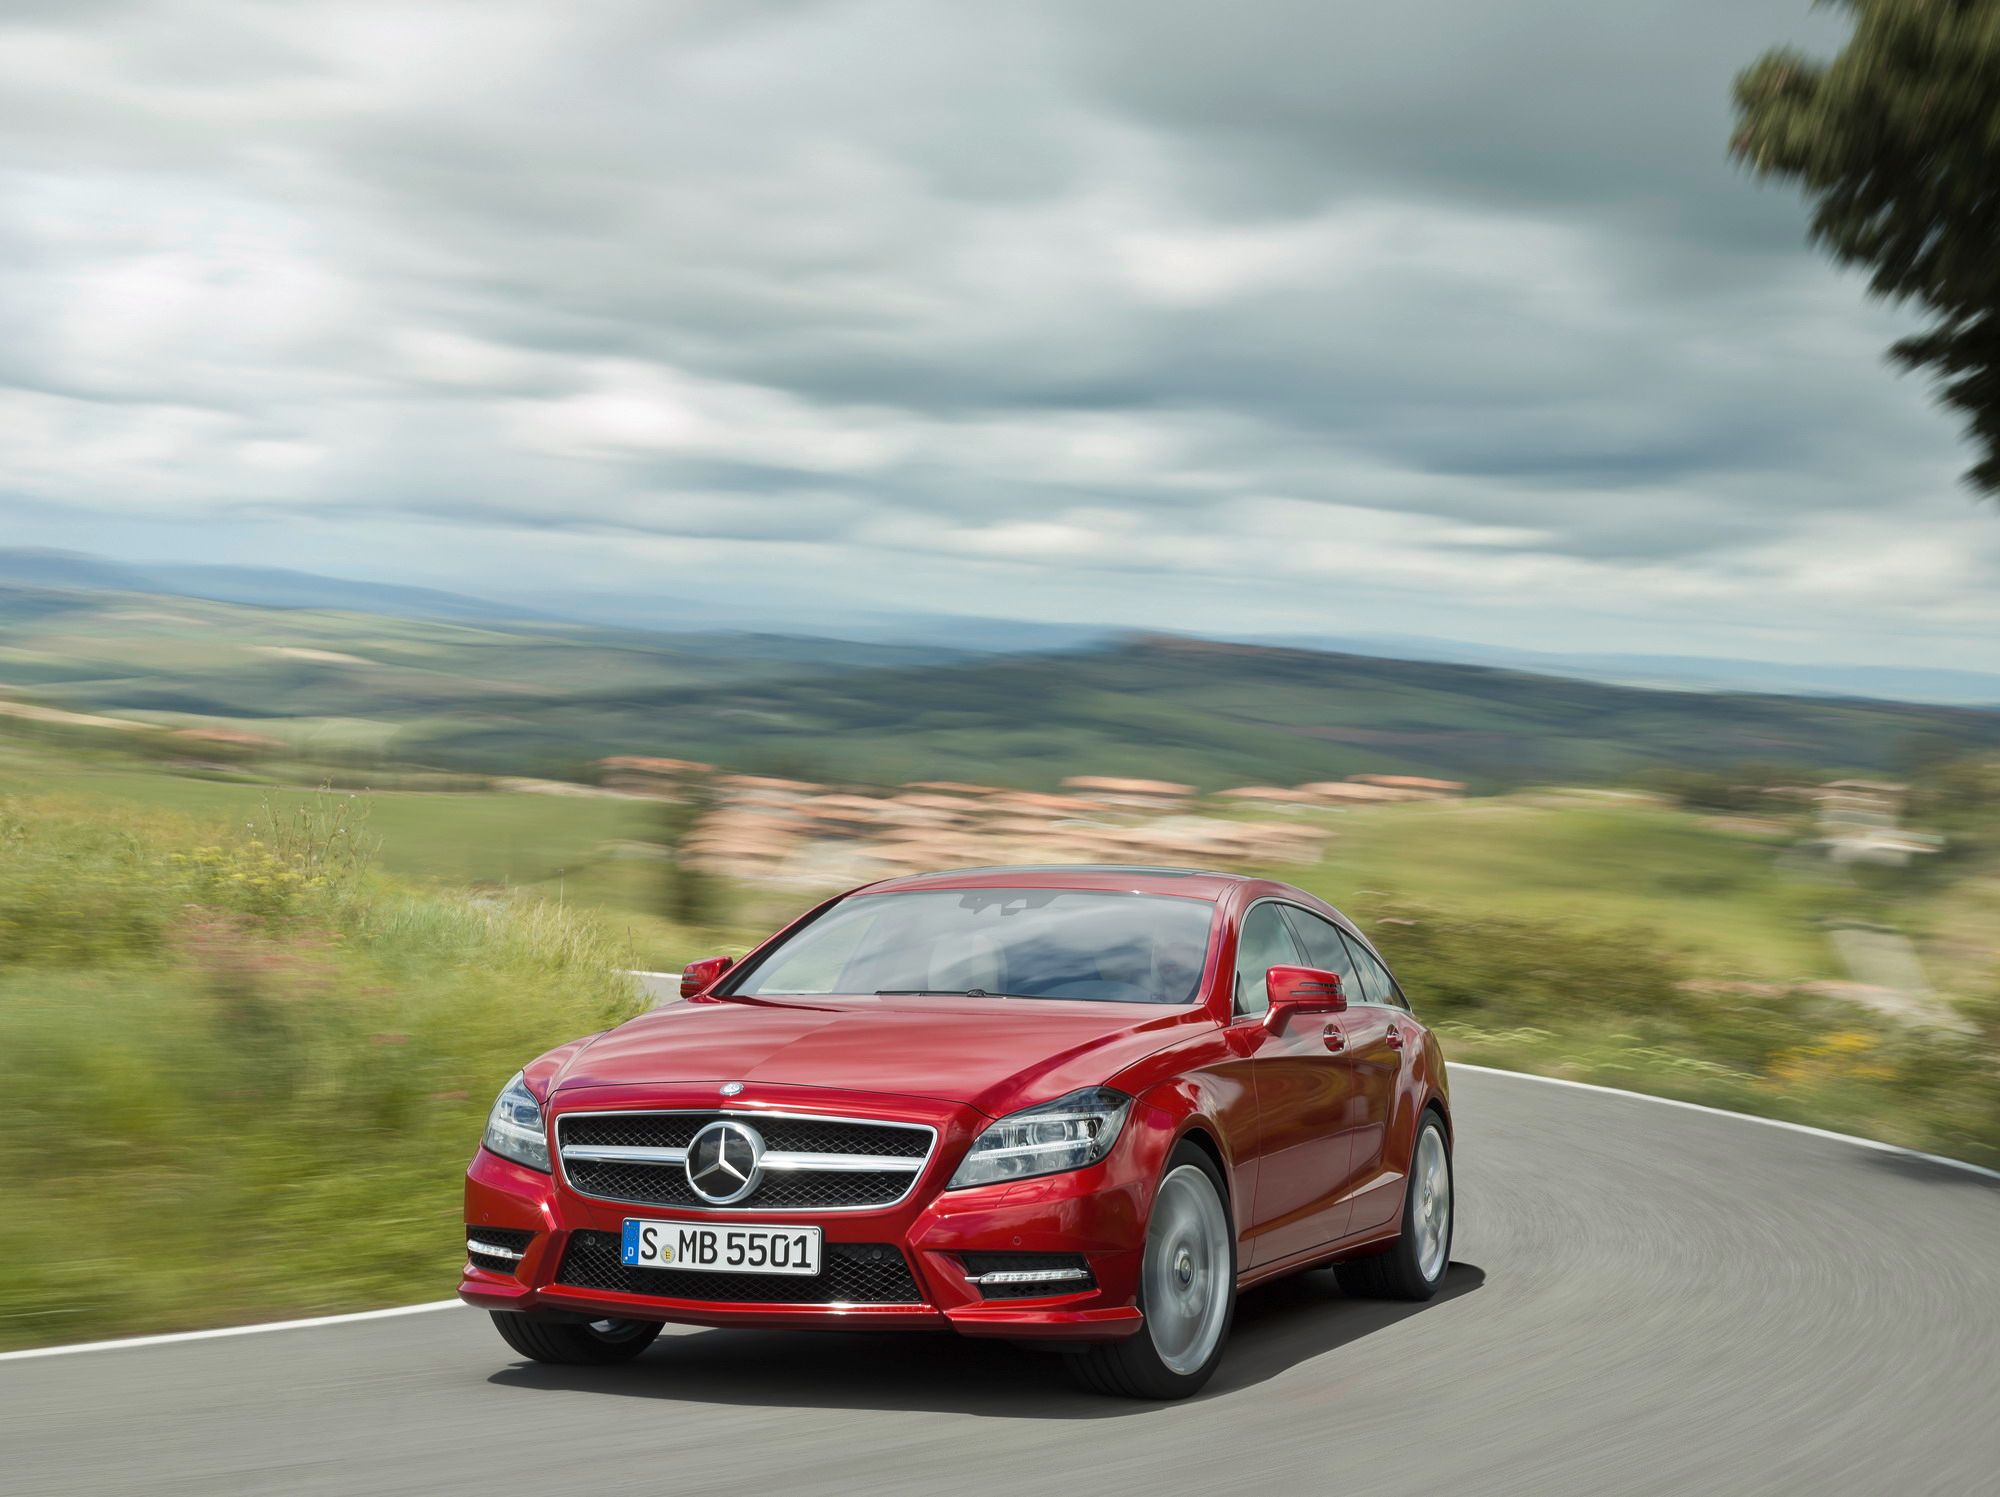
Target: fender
x=1186, y=1089
x=1424, y=1084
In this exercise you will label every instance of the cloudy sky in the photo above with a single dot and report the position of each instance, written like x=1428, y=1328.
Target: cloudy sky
x=1281, y=316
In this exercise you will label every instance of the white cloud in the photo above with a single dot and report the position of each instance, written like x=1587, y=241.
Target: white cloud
x=1216, y=321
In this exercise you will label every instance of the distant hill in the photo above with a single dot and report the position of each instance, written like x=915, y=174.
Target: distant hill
x=1891, y=683
x=655, y=613
x=263, y=587
x=1210, y=714
x=520, y=694
x=118, y=650
x=31, y=567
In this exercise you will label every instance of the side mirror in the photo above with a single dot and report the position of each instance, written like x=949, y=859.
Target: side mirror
x=1302, y=990
x=699, y=977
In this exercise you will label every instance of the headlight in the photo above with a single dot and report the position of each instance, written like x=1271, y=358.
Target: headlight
x=1065, y=1134
x=514, y=1129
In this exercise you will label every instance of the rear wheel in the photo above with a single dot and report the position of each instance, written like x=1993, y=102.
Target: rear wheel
x=1187, y=1290
x=1414, y=1265
x=575, y=1342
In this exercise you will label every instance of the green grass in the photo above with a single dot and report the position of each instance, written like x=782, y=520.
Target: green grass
x=264, y=1069
x=1725, y=901
x=569, y=850
x=480, y=837
x=1611, y=1007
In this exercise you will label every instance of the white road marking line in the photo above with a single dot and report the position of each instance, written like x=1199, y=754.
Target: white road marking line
x=1746, y=1117
x=1456, y=1065
x=231, y=1330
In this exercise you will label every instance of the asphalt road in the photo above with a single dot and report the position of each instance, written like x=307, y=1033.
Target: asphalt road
x=1643, y=1300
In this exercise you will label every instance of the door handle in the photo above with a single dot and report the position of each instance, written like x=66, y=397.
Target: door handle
x=1395, y=1038
x=1335, y=1040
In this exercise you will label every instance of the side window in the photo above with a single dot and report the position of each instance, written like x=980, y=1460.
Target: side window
x=1375, y=980
x=1325, y=948
x=1263, y=943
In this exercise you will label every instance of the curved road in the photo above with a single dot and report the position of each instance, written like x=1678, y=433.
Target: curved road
x=1644, y=1300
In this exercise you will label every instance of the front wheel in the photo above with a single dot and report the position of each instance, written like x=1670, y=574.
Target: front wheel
x=1187, y=1290
x=575, y=1342
x=1414, y=1265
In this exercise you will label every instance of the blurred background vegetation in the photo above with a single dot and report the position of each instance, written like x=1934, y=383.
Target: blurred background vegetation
x=275, y=927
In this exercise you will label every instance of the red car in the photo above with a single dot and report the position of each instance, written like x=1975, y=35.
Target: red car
x=1078, y=1107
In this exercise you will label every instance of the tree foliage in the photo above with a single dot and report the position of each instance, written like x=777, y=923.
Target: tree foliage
x=1897, y=143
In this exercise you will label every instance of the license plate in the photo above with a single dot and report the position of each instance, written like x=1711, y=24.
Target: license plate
x=705, y=1248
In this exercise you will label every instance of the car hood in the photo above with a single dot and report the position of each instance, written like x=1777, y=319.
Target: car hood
x=994, y=1054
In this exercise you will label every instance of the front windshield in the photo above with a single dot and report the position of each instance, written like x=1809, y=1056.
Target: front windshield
x=1012, y=943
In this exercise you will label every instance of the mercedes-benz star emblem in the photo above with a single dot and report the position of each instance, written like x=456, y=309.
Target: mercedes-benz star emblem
x=731, y=1088
x=725, y=1161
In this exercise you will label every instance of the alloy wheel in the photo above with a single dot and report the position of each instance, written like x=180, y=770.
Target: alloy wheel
x=1187, y=1270
x=1432, y=1217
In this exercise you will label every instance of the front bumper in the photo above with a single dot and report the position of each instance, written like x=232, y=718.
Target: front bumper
x=1098, y=1213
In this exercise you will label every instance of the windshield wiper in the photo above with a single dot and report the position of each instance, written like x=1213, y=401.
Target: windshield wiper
x=936, y=993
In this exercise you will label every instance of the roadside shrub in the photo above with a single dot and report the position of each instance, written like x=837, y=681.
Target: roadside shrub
x=274, y=1059
x=1508, y=969
x=1617, y=1006
x=78, y=888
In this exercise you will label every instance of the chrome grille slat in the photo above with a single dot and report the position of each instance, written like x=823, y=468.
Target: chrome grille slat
x=811, y=1163
x=840, y=1163
x=623, y=1154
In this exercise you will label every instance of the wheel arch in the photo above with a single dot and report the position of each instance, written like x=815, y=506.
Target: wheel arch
x=1438, y=1105
x=1197, y=1133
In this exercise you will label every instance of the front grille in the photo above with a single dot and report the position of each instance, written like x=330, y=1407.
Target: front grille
x=644, y=1184
x=851, y=1273
x=794, y=1190
x=511, y=1238
x=977, y=1264
x=676, y=1130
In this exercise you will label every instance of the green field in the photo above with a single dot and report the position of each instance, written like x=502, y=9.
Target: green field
x=1716, y=893
x=569, y=850
x=1719, y=897
x=247, y=1077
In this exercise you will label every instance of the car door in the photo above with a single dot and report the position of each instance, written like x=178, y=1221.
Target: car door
x=1363, y=1039
x=1377, y=1034
x=1304, y=1093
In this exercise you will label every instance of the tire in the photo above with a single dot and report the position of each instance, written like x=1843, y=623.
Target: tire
x=1189, y=1277
x=1415, y=1264
x=575, y=1343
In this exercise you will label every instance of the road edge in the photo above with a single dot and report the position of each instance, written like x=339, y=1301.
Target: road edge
x=1942, y=1160
x=171, y=1338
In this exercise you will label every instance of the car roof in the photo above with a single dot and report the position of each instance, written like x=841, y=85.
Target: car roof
x=1129, y=878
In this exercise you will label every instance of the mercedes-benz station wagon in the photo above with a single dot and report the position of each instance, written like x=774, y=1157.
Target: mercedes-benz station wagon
x=1078, y=1107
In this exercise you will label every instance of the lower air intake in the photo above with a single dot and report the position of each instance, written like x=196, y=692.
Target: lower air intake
x=851, y=1273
